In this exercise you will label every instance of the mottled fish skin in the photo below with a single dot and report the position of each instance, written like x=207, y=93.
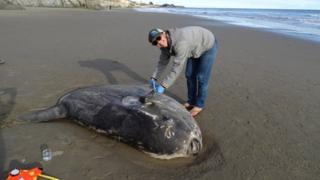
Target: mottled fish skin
x=163, y=128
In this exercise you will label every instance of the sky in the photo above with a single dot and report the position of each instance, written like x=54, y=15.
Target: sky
x=268, y=4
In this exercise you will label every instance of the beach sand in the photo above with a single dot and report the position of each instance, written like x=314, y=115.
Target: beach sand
x=261, y=119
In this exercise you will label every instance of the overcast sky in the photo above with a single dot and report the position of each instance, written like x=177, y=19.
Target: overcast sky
x=274, y=4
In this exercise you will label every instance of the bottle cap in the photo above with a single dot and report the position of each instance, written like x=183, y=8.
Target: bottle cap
x=14, y=172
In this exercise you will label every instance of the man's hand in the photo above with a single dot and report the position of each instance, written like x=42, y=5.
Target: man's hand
x=153, y=83
x=156, y=87
x=159, y=89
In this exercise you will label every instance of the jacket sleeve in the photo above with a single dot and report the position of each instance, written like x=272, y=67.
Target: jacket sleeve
x=177, y=65
x=162, y=64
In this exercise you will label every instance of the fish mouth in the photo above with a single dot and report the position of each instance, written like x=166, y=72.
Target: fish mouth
x=194, y=147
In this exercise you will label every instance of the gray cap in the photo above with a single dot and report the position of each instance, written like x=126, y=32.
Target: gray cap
x=154, y=33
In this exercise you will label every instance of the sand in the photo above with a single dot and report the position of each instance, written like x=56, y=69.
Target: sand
x=261, y=120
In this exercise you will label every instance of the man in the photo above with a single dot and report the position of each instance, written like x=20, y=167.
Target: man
x=195, y=45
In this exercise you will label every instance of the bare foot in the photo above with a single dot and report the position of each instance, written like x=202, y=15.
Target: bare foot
x=188, y=106
x=195, y=111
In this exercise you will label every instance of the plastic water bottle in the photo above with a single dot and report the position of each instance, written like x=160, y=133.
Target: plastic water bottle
x=46, y=152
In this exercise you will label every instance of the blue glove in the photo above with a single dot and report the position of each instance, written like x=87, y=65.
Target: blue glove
x=159, y=89
x=153, y=83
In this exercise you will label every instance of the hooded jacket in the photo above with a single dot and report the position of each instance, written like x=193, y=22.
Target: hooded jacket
x=184, y=43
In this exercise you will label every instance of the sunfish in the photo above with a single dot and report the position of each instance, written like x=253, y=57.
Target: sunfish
x=163, y=128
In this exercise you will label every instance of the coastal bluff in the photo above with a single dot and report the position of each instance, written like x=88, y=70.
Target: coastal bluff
x=90, y=4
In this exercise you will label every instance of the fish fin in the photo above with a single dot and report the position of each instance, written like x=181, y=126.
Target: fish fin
x=55, y=112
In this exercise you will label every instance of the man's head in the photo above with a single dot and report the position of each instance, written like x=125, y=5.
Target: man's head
x=158, y=37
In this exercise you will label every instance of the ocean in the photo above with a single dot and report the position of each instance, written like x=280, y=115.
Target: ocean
x=297, y=23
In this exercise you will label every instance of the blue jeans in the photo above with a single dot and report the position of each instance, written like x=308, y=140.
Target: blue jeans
x=198, y=72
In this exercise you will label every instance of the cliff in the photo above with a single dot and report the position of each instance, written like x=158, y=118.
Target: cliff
x=10, y=5
x=92, y=4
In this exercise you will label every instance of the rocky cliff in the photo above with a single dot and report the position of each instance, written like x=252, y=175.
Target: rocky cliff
x=4, y=4
x=92, y=4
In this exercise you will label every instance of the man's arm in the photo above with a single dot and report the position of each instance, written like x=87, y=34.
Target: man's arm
x=162, y=64
x=182, y=52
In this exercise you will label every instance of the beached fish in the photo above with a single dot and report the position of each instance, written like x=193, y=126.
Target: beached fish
x=162, y=128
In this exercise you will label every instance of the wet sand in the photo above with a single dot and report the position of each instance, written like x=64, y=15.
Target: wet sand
x=262, y=115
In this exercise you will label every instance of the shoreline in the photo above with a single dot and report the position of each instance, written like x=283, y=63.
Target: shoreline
x=261, y=118
x=297, y=35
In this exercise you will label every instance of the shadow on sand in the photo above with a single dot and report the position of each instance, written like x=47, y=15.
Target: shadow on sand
x=7, y=102
x=108, y=67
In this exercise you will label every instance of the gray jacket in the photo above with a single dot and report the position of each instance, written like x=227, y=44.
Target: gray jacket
x=186, y=42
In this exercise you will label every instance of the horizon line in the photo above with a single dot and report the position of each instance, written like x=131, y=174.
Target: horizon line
x=181, y=6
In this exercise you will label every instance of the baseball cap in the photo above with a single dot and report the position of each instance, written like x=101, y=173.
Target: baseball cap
x=154, y=33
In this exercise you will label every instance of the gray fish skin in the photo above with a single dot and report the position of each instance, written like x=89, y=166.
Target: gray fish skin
x=163, y=129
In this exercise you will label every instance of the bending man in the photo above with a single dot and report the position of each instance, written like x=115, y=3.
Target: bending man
x=195, y=45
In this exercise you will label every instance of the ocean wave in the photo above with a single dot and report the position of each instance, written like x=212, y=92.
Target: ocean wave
x=291, y=22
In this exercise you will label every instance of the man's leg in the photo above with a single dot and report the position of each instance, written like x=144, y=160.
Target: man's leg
x=203, y=74
x=191, y=81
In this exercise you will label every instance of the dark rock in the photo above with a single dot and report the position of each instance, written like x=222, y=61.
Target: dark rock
x=170, y=6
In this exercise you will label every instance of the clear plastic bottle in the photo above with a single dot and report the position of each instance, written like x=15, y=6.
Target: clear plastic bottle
x=46, y=152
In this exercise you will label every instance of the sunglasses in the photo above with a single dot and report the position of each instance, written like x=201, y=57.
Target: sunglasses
x=155, y=42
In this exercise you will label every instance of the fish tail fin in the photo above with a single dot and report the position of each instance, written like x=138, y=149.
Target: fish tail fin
x=55, y=112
